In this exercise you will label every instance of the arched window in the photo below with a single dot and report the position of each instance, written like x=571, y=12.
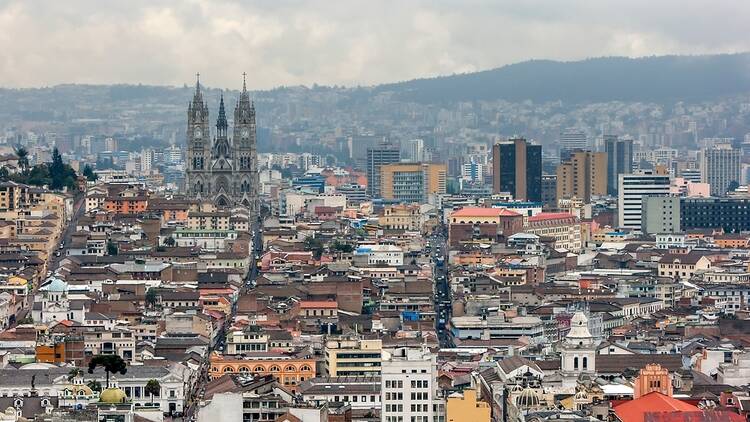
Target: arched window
x=274, y=368
x=305, y=368
x=585, y=362
x=244, y=369
x=259, y=369
x=575, y=362
x=228, y=369
x=290, y=368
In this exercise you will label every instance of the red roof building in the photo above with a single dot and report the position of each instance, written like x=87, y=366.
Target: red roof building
x=637, y=410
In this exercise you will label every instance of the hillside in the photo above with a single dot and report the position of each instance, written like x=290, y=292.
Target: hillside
x=656, y=79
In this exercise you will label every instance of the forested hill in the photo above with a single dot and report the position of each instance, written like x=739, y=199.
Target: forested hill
x=661, y=79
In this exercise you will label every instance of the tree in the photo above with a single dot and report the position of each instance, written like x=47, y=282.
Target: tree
x=111, y=248
x=95, y=385
x=169, y=241
x=151, y=297
x=25, y=320
x=315, y=245
x=88, y=172
x=73, y=373
x=23, y=158
x=342, y=247
x=111, y=363
x=152, y=388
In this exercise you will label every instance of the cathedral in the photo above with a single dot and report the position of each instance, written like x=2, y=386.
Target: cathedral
x=223, y=169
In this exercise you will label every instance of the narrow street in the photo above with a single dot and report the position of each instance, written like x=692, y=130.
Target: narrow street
x=443, y=309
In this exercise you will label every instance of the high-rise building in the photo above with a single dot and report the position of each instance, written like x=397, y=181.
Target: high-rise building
x=415, y=149
x=631, y=190
x=731, y=214
x=408, y=385
x=619, y=160
x=517, y=169
x=412, y=182
x=358, y=146
x=572, y=140
x=147, y=160
x=225, y=170
x=377, y=157
x=472, y=171
x=582, y=176
x=549, y=190
x=660, y=214
x=720, y=168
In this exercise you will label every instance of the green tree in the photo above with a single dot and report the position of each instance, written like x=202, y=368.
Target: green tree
x=111, y=364
x=170, y=241
x=315, y=245
x=23, y=158
x=111, y=248
x=25, y=320
x=95, y=385
x=153, y=388
x=88, y=172
x=342, y=247
x=151, y=297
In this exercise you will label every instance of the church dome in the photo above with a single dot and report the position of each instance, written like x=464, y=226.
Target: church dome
x=55, y=285
x=579, y=327
x=528, y=399
x=113, y=395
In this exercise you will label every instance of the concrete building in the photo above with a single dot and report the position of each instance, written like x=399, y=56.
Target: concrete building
x=464, y=407
x=631, y=190
x=565, y=228
x=619, y=160
x=412, y=182
x=572, y=140
x=377, y=157
x=408, y=385
x=720, y=168
x=517, y=169
x=660, y=214
x=353, y=357
x=582, y=176
x=731, y=214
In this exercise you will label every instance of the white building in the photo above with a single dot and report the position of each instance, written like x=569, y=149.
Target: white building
x=52, y=304
x=408, y=386
x=720, y=166
x=631, y=190
x=381, y=255
x=415, y=149
x=578, y=354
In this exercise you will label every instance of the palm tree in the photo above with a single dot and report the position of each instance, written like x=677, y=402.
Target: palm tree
x=23, y=158
x=110, y=363
x=152, y=388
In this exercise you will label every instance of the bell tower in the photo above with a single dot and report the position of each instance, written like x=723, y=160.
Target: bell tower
x=198, y=145
x=244, y=144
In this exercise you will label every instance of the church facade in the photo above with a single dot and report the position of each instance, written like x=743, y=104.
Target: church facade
x=222, y=169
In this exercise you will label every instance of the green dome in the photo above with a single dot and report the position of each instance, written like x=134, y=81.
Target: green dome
x=113, y=395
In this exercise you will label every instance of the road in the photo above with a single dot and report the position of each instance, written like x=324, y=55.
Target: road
x=443, y=303
x=54, y=259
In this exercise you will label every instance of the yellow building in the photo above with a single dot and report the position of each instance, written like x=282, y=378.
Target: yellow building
x=412, y=182
x=466, y=408
x=401, y=217
x=353, y=357
x=584, y=175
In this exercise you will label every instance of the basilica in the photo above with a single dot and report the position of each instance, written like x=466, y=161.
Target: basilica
x=223, y=169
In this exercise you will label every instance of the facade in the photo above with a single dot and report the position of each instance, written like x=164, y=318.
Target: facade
x=377, y=157
x=517, y=169
x=353, y=357
x=632, y=188
x=223, y=170
x=408, y=386
x=473, y=224
x=402, y=217
x=731, y=214
x=289, y=371
x=720, y=167
x=572, y=140
x=565, y=228
x=652, y=378
x=412, y=182
x=619, y=160
x=582, y=176
x=464, y=407
x=660, y=214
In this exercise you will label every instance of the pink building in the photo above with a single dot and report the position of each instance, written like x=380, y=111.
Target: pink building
x=683, y=187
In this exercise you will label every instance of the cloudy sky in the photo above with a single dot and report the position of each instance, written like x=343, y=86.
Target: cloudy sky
x=345, y=42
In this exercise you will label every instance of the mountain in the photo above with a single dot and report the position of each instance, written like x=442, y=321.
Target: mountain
x=662, y=79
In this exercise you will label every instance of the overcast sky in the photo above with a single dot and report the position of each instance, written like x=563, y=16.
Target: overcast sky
x=339, y=42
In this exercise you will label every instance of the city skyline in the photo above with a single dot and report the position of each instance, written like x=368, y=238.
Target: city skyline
x=338, y=43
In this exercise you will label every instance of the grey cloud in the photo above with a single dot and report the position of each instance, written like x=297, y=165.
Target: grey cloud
x=339, y=42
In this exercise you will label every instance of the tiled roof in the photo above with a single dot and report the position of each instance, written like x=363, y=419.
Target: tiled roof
x=484, y=212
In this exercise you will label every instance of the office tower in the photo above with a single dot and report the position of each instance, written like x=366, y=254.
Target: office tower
x=415, y=150
x=412, y=182
x=517, y=169
x=147, y=160
x=731, y=214
x=661, y=214
x=359, y=144
x=572, y=140
x=173, y=154
x=691, y=175
x=549, y=190
x=720, y=168
x=631, y=190
x=472, y=172
x=582, y=176
x=377, y=157
x=619, y=160
x=223, y=170
x=408, y=385
x=355, y=194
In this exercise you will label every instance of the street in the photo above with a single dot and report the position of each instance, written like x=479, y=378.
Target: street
x=443, y=309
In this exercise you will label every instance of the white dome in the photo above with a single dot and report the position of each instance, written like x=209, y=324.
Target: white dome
x=55, y=285
x=579, y=326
